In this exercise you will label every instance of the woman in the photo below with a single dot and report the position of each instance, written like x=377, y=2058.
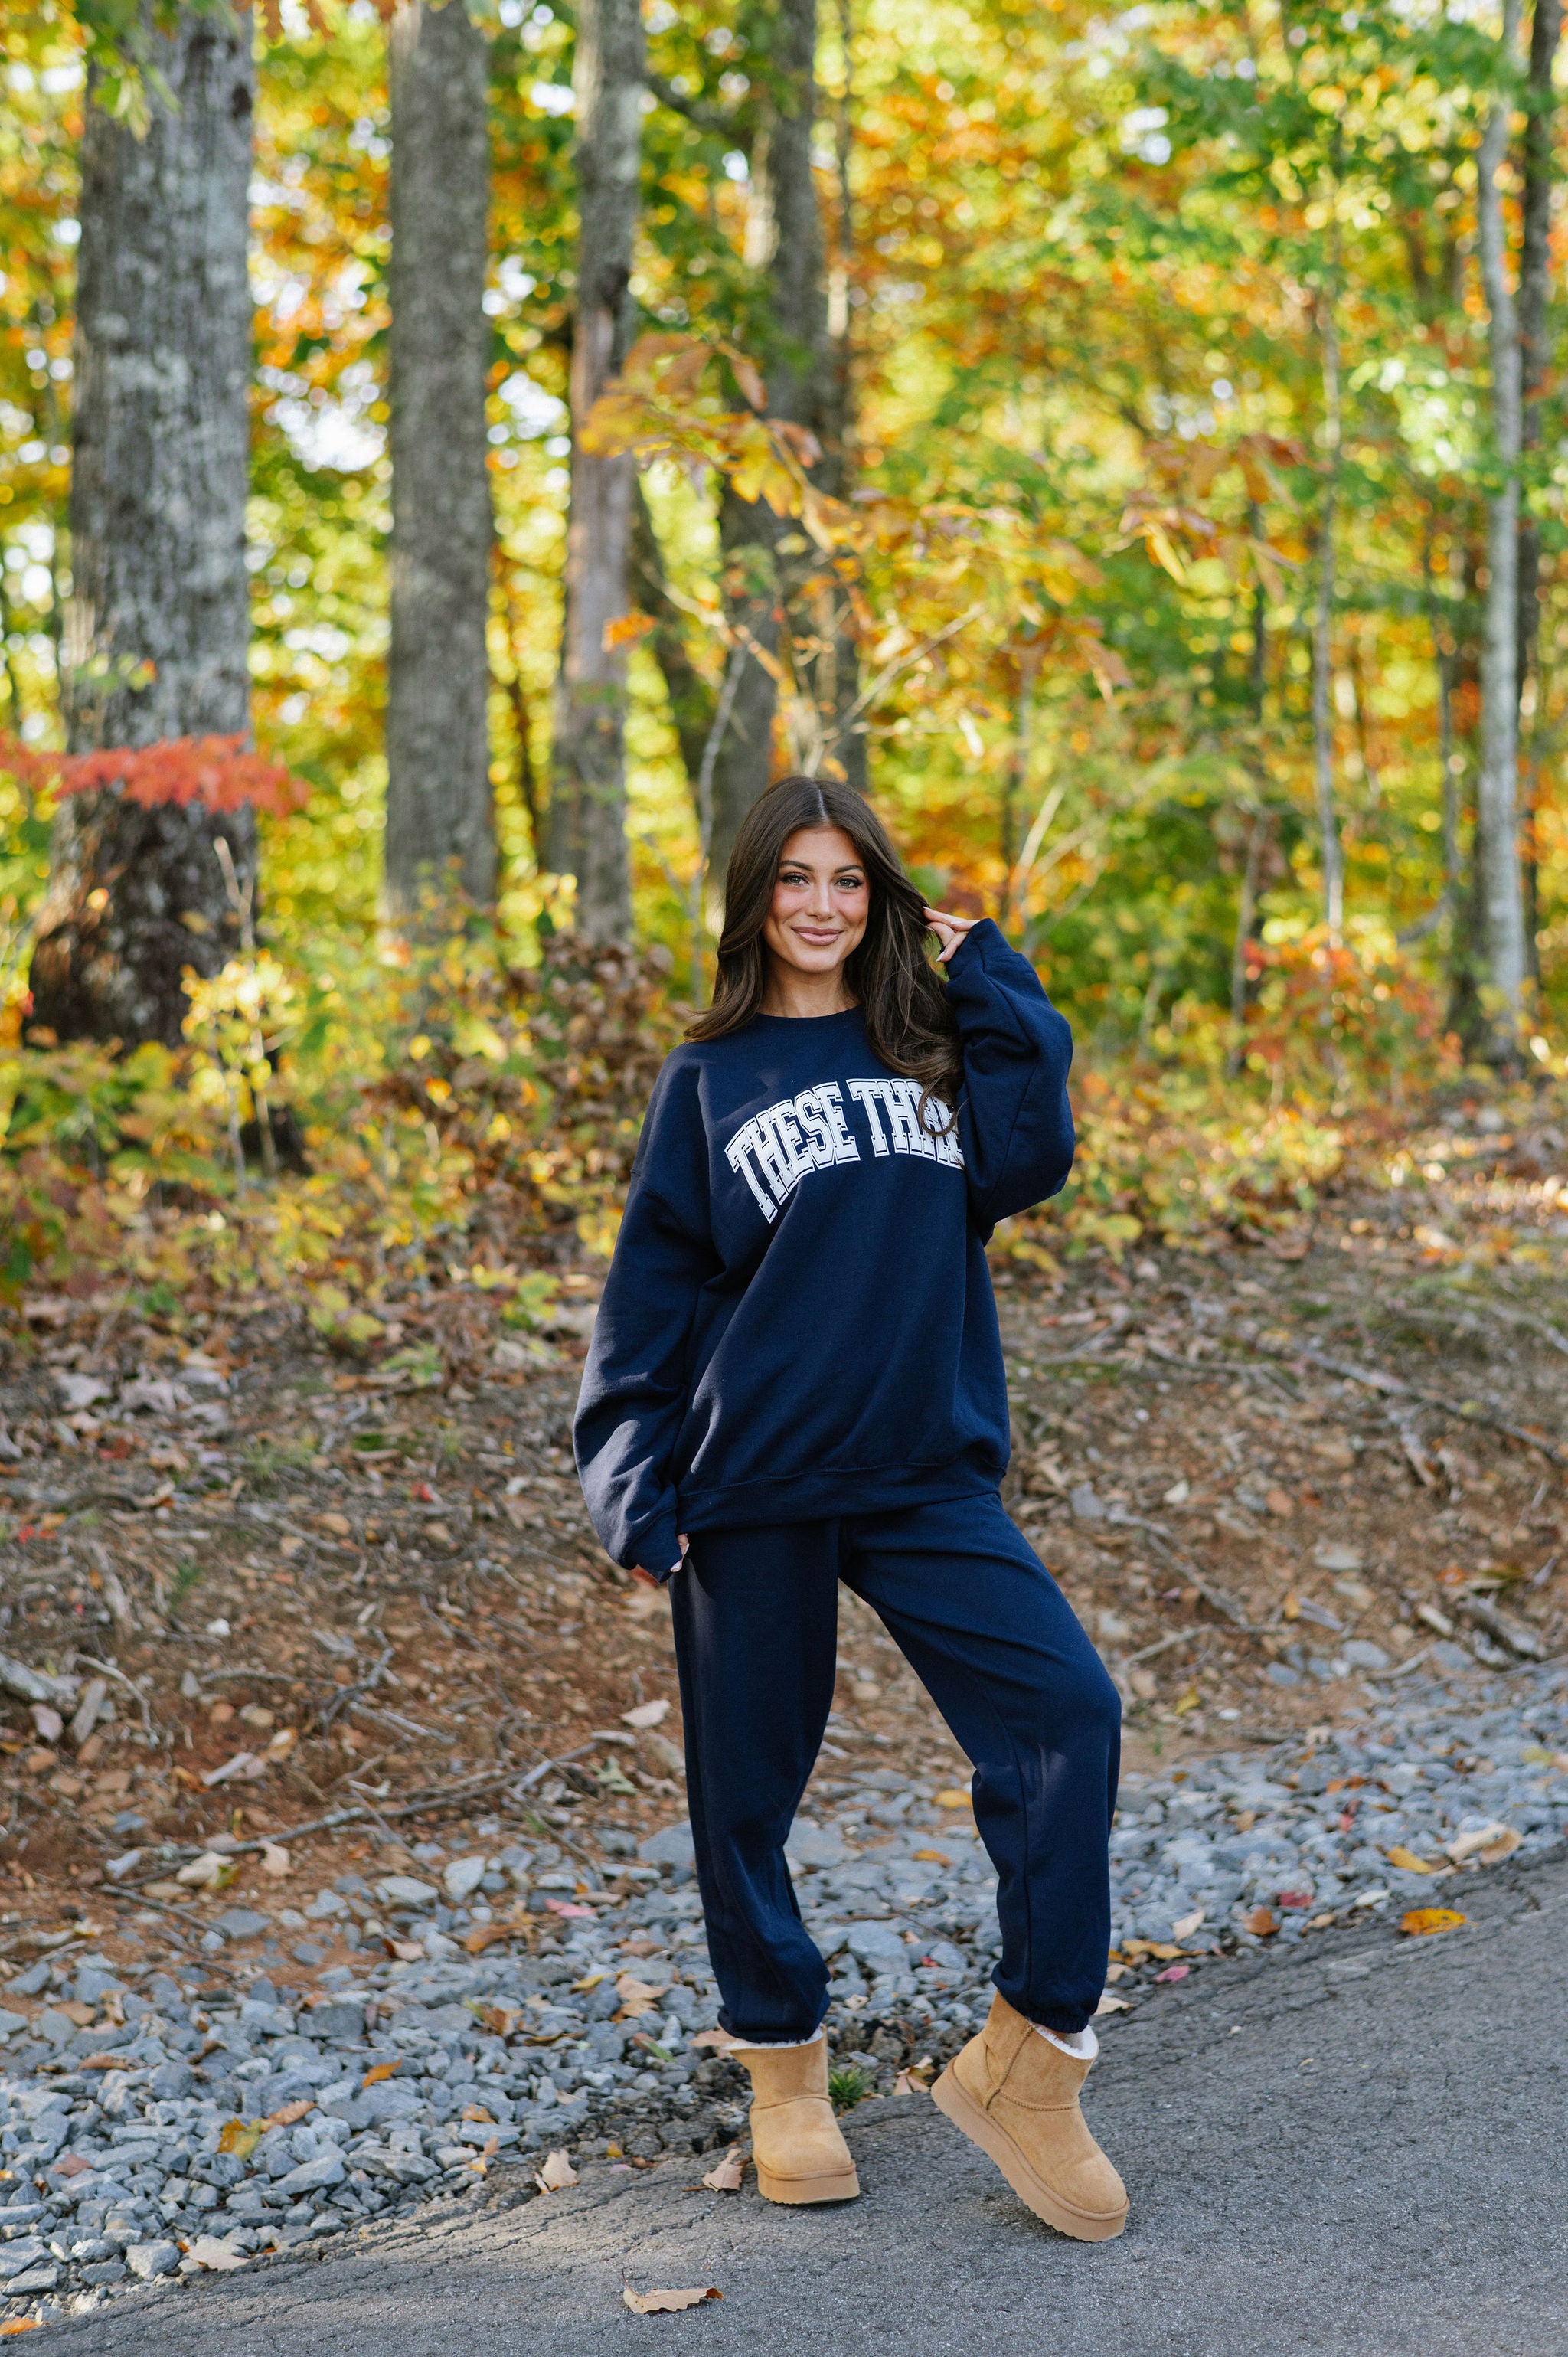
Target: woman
x=796, y=1379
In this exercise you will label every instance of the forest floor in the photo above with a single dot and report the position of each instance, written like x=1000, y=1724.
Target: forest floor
x=291, y=1588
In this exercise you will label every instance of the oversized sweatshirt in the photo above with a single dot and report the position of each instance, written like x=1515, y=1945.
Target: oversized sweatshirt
x=799, y=1320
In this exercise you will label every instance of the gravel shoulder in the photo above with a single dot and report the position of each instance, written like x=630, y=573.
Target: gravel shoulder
x=1356, y=2148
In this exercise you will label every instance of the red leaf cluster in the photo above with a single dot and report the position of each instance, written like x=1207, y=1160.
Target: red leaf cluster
x=221, y=773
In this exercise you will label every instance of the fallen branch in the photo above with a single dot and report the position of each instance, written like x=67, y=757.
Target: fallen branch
x=423, y=1804
x=1161, y=1645
x=36, y=1686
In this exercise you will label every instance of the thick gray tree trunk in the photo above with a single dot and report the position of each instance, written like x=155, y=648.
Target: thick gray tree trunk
x=158, y=623
x=1534, y=289
x=1323, y=628
x=439, y=805
x=784, y=239
x=588, y=791
x=1500, y=899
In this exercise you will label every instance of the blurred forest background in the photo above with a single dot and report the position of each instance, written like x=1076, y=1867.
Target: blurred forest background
x=451, y=459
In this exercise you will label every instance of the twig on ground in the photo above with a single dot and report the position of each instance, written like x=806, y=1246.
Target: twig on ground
x=344, y=1695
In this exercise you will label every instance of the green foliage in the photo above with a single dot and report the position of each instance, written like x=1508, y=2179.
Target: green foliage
x=848, y=2084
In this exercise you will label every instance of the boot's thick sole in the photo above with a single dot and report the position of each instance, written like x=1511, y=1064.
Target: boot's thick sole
x=843, y=2185
x=1082, y=2225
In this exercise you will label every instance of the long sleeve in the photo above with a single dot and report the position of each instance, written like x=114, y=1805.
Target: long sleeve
x=635, y=1382
x=1014, y=1123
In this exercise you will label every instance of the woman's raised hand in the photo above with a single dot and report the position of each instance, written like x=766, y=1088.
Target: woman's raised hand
x=950, y=930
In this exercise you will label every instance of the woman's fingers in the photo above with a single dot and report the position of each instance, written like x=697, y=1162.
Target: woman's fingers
x=949, y=929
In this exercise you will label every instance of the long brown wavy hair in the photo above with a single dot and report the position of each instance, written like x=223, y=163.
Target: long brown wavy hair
x=907, y=1019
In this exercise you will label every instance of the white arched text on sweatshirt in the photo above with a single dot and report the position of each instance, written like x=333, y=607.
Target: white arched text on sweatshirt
x=775, y=1150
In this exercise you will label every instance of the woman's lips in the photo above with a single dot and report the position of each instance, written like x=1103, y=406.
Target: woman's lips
x=819, y=937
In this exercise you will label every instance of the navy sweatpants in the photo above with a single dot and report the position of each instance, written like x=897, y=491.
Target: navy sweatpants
x=993, y=1640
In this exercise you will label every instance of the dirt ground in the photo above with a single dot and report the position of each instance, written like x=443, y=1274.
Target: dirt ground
x=293, y=1584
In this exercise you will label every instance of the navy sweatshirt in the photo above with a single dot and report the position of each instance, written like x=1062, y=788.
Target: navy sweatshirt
x=799, y=1320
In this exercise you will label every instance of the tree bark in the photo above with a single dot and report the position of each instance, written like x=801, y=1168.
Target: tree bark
x=588, y=791
x=1323, y=631
x=440, y=817
x=158, y=624
x=1501, y=900
x=1534, y=286
x=784, y=245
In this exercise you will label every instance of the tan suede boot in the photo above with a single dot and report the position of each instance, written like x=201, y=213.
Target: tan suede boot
x=795, y=2141
x=1016, y=2095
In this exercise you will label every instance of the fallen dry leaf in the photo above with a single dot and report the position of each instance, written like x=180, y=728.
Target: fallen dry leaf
x=647, y=1714
x=240, y=2138
x=666, y=2303
x=1407, y=1860
x=477, y=2111
x=21, y=2324
x=286, y=2117
x=380, y=2071
x=953, y=1800
x=276, y=1860
x=556, y=2175
x=1174, y=1973
x=1491, y=1842
x=725, y=2175
x=1189, y=1923
x=637, y=1996
x=910, y=2083
x=1108, y=2004
x=1262, y=1922
x=934, y=1857
x=1421, y=1920
x=484, y=1935
x=719, y=2039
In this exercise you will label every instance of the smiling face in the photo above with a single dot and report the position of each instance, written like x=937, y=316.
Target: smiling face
x=821, y=899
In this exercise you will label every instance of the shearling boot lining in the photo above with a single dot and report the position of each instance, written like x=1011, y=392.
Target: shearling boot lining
x=1083, y=2045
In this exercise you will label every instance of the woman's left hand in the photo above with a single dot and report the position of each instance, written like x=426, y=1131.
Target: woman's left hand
x=950, y=930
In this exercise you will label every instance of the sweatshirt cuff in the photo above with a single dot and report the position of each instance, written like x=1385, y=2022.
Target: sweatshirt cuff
x=658, y=1548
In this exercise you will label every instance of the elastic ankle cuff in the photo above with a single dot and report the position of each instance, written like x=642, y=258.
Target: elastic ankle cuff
x=772, y=2045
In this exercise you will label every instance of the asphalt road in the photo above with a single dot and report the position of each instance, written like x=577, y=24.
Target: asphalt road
x=1363, y=2148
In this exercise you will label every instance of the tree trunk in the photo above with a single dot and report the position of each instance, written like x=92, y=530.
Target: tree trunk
x=1323, y=632
x=1534, y=286
x=588, y=794
x=440, y=819
x=1501, y=902
x=784, y=239
x=159, y=625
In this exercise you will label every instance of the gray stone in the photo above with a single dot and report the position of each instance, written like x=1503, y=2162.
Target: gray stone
x=32, y=1983
x=313, y=2176
x=813, y=1845
x=462, y=1878
x=17, y=2257
x=877, y=1943
x=148, y=2259
x=40, y=2278
x=403, y=1891
x=10, y=2023
x=171, y=2081
x=1363, y=1654
x=671, y=1845
x=243, y=1923
x=341, y=2020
